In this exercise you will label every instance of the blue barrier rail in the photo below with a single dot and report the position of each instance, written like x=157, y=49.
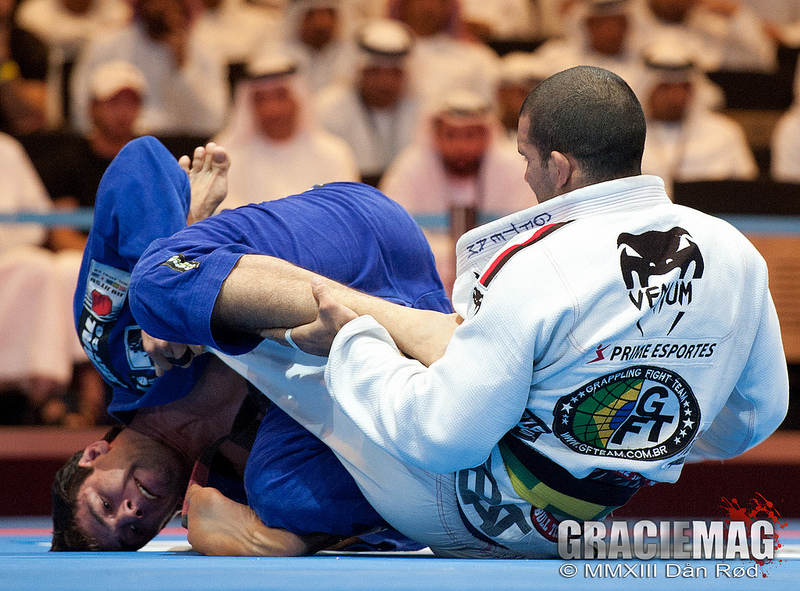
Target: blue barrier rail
x=81, y=219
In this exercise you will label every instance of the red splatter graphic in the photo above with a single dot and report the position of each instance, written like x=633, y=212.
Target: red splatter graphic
x=758, y=508
x=101, y=303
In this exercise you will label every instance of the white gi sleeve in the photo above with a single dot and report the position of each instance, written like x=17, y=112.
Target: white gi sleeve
x=758, y=403
x=450, y=415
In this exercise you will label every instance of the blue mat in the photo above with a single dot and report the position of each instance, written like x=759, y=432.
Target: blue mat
x=26, y=565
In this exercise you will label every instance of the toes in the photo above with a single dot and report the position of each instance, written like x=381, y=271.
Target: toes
x=220, y=158
x=199, y=159
x=185, y=163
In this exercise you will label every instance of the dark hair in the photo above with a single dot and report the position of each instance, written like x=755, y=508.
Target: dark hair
x=591, y=114
x=69, y=478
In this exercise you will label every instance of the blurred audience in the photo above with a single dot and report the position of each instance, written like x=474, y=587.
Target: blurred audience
x=499, y=19
x=234, y=28
x=445, y=56
x=686, y=141
x=72, y=169
x=458, y=171
x=187, y=80
x=785, y=142
x=785, y=147
x=66, y=26
x=23, y=76
x=275, y=145
x=600, y=33
x=520, y=73
x=318, y=35
x=38, y=344
x=724, y=34
x=376, y=114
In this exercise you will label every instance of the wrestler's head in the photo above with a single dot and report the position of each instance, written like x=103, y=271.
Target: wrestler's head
x=116, y=494
x=581, y=126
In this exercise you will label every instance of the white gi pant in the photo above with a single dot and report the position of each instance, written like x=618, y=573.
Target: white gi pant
x=418, y=503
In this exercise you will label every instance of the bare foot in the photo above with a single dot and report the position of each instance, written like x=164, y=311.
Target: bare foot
x=208, y=179
x=219, y=526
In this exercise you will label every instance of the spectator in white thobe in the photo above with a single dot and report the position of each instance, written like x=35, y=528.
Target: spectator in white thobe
x=318, y=34
x=686, y=141
x=272, y=138
x=723, y=35
x=38, y=344
x=376, y=114
x=445, y=57
x=457, y=175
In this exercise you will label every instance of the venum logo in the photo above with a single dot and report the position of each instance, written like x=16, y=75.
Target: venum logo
x=655, y=254
x=639, y=413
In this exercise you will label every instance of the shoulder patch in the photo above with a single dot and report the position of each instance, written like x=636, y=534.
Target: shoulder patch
x=180, y=264
x=506, y=255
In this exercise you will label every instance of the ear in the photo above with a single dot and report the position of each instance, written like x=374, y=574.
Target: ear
x=560, y=168
x=92, y=452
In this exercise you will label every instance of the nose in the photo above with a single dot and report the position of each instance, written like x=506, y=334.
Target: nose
x=130, y=509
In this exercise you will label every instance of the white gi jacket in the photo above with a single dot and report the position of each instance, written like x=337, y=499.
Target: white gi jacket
x=632, y=337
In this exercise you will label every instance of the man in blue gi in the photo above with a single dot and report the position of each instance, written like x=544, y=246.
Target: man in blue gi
x=117, y=494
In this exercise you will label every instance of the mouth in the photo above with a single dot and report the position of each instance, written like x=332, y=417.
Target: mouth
x=145, y=493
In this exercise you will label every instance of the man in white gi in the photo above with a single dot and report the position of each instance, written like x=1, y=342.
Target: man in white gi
x=376, y=114
x=272, y=137
x=687, y=141
x=457, y=173
x=603, y=338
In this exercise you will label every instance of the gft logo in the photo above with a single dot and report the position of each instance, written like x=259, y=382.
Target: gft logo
x=641, y=413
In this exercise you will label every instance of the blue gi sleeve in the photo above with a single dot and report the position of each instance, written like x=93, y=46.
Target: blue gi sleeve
x=348, y=232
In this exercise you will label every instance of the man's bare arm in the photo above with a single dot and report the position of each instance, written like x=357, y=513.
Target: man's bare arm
x=263, y=292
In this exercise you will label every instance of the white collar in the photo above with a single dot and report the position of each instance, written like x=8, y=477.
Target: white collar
x=478, y=246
